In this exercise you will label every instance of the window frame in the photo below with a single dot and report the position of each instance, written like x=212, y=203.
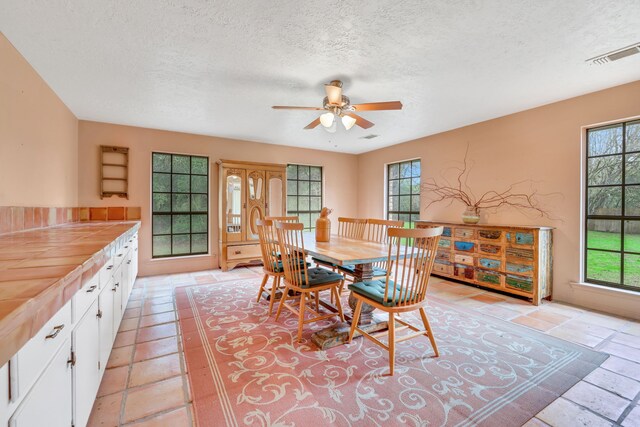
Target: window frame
x=388, y=183
x=311, y=212
x=622, y=218
x=190, y=212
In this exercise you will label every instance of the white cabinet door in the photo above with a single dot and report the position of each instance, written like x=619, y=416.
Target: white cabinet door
x=4, y=394
x=105, y=321
x=117, y=300
x=49, y=401
x=126, y=279
x=86, y=371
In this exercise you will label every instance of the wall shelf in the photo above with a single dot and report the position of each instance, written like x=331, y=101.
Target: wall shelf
x=114, y=171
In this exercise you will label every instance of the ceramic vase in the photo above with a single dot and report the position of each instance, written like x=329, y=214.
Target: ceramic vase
x=471, y=215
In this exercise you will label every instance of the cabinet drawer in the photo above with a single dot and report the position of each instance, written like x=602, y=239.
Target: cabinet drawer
x=4, y=394
x=443, y=268
x=245, y=251
x=444, y=243
x=463, y=259
x=464, y=271
x=464, y=246
x=520, y=283
x=519, y=268
x=85, y=297
x=443, y=255
x=36, y=353
x=465, y=233
x=490, y=263
x=489, y=277
x=493, y=235
x=520, y=253
x=485, y=248
x=106, y=272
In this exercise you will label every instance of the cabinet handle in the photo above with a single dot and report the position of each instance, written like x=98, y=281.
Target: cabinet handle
x=117, y=284
x=91, y=289
x=129, y=262
x=72, y=359
x=56, y=331
x=110, y=267
x=114, y=289
x=120, y=255
x=99, y=314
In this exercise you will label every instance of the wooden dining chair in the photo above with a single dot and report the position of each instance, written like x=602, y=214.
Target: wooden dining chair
x=271, y=263
x=298, y=277
x=352, y=228
x=376, y=231
x=283, y=218
x=403, y=290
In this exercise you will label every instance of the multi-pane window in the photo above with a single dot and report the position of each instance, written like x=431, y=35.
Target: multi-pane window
x=180, y=205
x=612, y=253
x=403, y=191
x=304, y=193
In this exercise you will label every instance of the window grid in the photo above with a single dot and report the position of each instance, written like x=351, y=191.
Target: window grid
x=616, y=251
x=304, y=193
x=169, y=236
x=403, y=191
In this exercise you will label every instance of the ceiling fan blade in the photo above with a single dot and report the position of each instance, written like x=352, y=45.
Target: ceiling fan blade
x=362, y=122
x=286, y=107
x=373, y=106
x=334, y=94
x=313, y=124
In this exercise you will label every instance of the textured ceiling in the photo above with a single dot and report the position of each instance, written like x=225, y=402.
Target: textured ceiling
x=215, y=68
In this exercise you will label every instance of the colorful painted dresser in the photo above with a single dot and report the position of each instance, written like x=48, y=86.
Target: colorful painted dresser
x=513, y=259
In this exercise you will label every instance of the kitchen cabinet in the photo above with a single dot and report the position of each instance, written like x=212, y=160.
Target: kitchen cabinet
x=105, y=323
x=86, y=370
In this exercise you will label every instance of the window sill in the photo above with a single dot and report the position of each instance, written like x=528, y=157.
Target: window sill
x=173, y=258
x=601, y=289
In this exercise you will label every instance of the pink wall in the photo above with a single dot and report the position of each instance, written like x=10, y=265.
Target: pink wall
x=340, y=174
x=38, y=138
x=542, y=144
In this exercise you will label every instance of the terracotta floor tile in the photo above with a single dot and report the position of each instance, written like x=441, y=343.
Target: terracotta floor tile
x=157, y=332
x=128, y=324
x=622, y=351
x=176, y=418
x=531, y=322
x=500, y=312
x=153, y=398
x=120, y=356
x=131, y=312
x=626, y=339
x=564, y=309
x=155, y=309
x=124, y=338
x=151, y=349
x=633, y=328
x=562, y=413
x=158, y=300
x=114, y=380
x=535, y=422
x=615, y=383
x=578, y=337
x=604, y=320
x=487, y=298
x=553, y=318
x=106, y=411
x=597, y=400
x=623, y=367
x=589, y=328
x=633, y=418
x=157, y=319
x=153, y=370
x=134, y=304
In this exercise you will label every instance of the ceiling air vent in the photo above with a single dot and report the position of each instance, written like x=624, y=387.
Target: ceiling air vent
x=370, y=136
x=615, y=55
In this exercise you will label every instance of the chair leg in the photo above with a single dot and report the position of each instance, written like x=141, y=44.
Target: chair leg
x=283, y=300
x=356, y=318
x=317, y=301
x=262, y=285
x=427, y=327
x=392, y=343
x=274, y=288
x=334, y=291
x=303, y=297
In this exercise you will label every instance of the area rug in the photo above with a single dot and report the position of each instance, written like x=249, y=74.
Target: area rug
x=246, y=369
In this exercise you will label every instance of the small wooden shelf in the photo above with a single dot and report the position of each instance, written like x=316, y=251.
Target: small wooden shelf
x=114, y=171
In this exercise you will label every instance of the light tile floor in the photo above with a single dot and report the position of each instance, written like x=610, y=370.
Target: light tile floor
x=146, y=384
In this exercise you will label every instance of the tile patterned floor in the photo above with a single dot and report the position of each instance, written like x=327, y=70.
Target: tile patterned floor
x=146, y=385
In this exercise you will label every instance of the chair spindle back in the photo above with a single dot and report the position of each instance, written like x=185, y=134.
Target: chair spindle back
x=377, y=231
x=418, y=255
x=292, y=252
x=352, y=228
x=268, y=244
x=283, y=218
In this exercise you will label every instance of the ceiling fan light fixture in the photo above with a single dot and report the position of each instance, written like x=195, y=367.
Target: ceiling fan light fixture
x=327, y=119
x=348, y=122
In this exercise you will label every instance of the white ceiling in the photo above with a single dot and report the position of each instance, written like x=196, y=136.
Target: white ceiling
x=215, y=68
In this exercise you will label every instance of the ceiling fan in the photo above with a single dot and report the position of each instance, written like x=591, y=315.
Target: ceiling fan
x=338, y=105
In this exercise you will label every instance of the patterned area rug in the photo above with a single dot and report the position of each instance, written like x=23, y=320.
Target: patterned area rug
x=247, y=369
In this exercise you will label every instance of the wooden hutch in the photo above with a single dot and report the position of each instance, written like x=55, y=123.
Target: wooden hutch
x=247, y=191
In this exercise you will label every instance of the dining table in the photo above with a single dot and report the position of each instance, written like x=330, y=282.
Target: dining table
x=362, y=254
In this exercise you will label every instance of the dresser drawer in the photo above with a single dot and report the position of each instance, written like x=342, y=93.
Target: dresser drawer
x=491, y=235
x=489, y=277
x=244, y=251
x=106, y=272
x=489, y=249
x=464, y=246
x=35, y=355
x=520, y=283
x=465, y=233
x=442, y=268
x=463, y=259
x=83, y=299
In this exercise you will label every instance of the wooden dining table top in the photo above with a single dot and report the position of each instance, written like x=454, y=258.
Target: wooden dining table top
x=345, y=251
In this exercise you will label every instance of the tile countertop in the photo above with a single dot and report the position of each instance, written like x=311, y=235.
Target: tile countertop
x=40, y=270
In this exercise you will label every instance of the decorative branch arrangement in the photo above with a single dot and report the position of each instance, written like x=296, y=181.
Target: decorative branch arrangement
x=489, y=200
